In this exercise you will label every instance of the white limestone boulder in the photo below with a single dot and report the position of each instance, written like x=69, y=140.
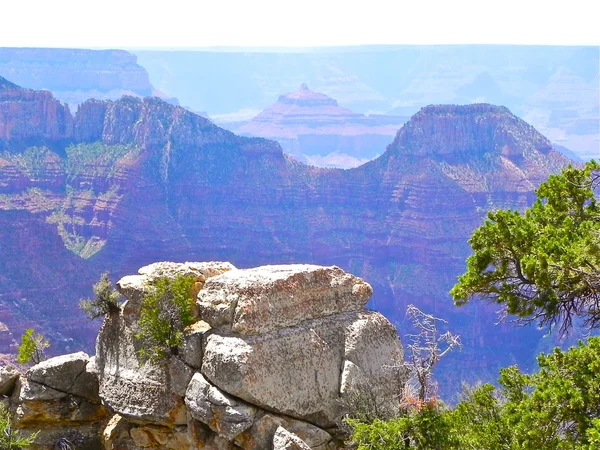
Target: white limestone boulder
x=138, y=389
x=297, y=371
x=135, y=287
x=268, y=298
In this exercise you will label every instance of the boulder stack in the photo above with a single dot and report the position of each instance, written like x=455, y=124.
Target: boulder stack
x=267, y=364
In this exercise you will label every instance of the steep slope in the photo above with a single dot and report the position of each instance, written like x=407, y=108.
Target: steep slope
x=141, y=180
x=313, y=128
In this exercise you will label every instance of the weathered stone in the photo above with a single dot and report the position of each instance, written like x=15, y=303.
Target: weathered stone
x=284, y=440
x=67, y=374
x=8, y=377
x=260, y=435
x=39, y=404
x=130, y=387
x=374, y=361
x=115, y=433
x=192, y=349
x=223, y=414
x=180, y=375
x=268, y=298
x=308, y=357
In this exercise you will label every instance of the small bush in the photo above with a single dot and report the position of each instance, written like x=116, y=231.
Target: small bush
x=164, y=315
x=106, y=299
x=32, y=348
x=9, y=438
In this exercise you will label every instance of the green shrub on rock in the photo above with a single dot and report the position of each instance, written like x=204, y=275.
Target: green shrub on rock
x=106, y=299
x=164, y=315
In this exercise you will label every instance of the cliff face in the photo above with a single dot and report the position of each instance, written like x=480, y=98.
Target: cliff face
x=75, y=75
x=27, y=116
x=315, y=129
x=142, y=180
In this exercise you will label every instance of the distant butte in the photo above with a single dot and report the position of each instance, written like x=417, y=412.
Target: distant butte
x=314, y=128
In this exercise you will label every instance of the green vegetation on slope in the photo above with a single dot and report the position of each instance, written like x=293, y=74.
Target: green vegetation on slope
x=164, y=315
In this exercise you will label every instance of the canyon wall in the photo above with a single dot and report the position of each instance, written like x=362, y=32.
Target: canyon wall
x=140, y=180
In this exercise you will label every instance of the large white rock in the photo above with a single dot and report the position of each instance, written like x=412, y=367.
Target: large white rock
x=67, y=374
x=297, y=371
x=128, y=386
x=268, y=298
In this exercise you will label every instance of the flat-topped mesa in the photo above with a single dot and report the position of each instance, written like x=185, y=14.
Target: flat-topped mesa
x=268, y=298
x=468, y=131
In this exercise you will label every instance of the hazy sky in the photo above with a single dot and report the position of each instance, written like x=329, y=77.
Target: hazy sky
x=274, y=23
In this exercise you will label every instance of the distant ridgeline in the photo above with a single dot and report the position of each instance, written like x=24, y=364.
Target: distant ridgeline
x=120, y=184
x=76, y=75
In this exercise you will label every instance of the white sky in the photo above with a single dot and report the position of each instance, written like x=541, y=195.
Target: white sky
x=291, y=23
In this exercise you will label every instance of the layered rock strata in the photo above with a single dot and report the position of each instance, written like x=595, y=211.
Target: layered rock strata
x=266, y=365
x=142, y=181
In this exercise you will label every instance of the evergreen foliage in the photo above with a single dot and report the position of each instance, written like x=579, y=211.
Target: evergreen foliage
x=9, y=438
x=542, y=265
x=164, y=315
x=32, y=348
x=106, y=300
x=556, y=408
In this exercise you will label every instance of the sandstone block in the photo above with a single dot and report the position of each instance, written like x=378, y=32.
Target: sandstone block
x=67, y=374
x=129, y=387
x=260, y=435
x=284, y=440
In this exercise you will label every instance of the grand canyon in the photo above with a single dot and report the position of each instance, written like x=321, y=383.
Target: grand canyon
x=123, y=183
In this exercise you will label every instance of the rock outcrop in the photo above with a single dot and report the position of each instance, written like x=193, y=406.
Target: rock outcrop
x=59, y=400
x=277, y=386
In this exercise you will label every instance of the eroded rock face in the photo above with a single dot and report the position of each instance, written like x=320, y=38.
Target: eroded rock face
x=271, y=376
x=59, y=398
x=309, y=357
x=130, y=387
x=8, y=377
